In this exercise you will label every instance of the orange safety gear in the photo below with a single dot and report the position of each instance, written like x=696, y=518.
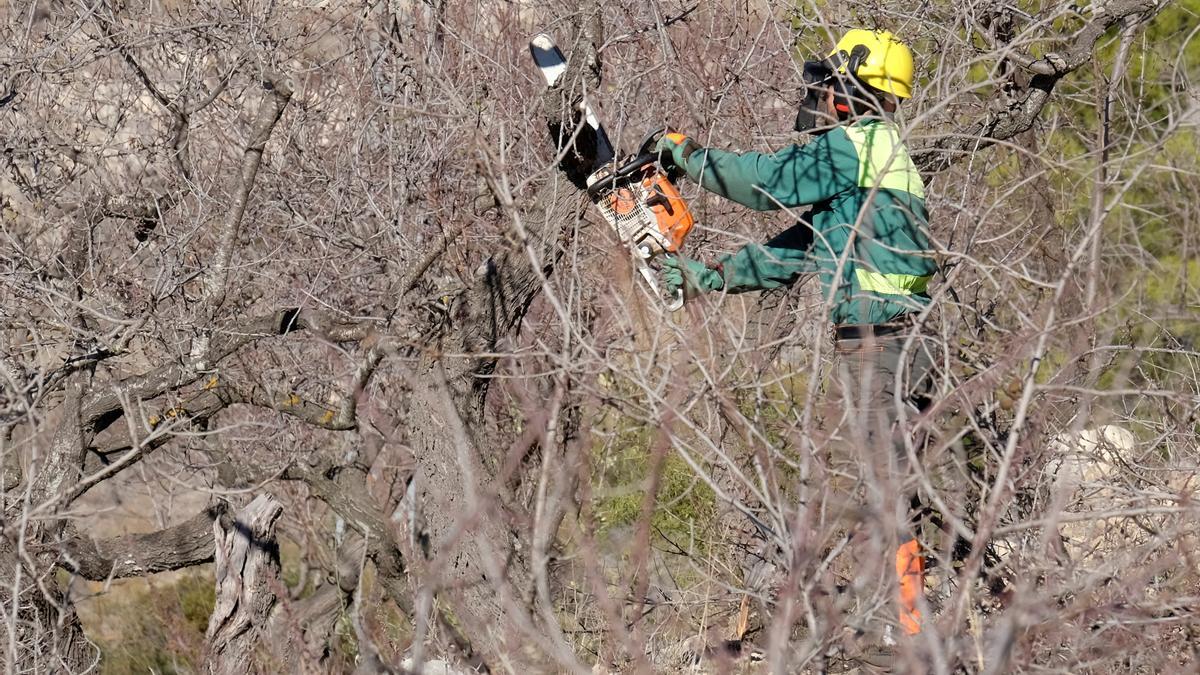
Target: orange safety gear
x=910, y=569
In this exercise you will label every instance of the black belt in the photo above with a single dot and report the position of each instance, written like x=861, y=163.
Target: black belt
x=861, y=331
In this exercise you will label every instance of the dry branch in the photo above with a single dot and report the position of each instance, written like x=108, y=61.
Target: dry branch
x=184, y=545
x=403, y=305
x=278, y=90
x=1029, y=100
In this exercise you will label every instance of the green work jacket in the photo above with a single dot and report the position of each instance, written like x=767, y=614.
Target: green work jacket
x=866, y=236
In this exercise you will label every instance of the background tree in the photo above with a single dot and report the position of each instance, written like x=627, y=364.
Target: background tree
x=308, y=293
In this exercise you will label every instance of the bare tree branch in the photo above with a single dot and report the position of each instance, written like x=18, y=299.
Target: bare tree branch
x=1028, y=102
x=278, y=93
x=184, y=545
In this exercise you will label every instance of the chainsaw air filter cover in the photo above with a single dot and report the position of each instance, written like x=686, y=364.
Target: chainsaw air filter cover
x=646, y=211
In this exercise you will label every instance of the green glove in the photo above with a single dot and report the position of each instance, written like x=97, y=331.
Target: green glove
x=677, y=148
x=679, y=271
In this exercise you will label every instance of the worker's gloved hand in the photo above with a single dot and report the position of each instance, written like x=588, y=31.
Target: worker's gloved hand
x=675, y=148
x=680, y=272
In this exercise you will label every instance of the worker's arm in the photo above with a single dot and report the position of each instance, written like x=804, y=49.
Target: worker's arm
x=794, y=176
x=779, y=262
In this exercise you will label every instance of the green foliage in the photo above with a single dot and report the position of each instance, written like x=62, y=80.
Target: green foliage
x=1153, y=169
x=685, y=503
x=1162, y=58
x=772, y=408
x=1157, y=229
x=807, y=43
x=345, y=641
x=1174, y=283
x=1049, y=367
x=153, y=626
x=1172, y=292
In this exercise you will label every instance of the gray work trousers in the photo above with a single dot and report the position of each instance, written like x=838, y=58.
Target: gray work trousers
x=867, y=377
x=886, y=382
x=867, y=372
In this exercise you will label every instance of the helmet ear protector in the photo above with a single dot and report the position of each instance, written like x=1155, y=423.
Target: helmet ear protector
x=850, y=95
x=817, y=75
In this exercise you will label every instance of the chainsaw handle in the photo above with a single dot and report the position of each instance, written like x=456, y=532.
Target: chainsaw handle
x=645, y=157
x=624, y=171
x=677, y=301
x=651, y=139
x=665, y=159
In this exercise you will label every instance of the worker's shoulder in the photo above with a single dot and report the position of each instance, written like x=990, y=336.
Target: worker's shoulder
x=831, y=142
x=884, y=159
x=877, y=132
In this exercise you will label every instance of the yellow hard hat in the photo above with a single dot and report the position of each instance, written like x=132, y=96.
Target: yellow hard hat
x=887, y=64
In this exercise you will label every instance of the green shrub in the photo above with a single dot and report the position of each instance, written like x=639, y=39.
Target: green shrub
x=154, y=625
x=685, y=503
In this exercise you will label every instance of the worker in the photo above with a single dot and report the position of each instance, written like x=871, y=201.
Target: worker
x=865, y=236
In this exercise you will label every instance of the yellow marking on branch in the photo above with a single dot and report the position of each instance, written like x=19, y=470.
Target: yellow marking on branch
x=212, y=383
x=155, y=420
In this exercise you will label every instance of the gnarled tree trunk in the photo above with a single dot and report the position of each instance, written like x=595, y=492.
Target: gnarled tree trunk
x=248, y=584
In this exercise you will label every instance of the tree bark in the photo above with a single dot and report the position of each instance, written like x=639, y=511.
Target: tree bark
x=45, y=626
x=247, y=571
x=1029, y=100
x=475, y=557
x=299, y=632
x=187, y=544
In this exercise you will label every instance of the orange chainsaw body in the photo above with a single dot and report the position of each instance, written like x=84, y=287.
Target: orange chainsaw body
x=647, y=212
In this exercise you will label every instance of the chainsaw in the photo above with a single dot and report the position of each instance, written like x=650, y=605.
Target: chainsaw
x=637, y=197
x=639, y=200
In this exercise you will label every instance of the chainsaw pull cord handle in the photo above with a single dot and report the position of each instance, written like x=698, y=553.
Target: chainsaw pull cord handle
x=659, y=198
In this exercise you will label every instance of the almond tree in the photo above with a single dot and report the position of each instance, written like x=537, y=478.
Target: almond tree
x=343, y=255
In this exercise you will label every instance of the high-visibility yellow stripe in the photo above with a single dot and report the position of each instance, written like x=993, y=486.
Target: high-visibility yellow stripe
x=883, y=160
x=891, y=284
